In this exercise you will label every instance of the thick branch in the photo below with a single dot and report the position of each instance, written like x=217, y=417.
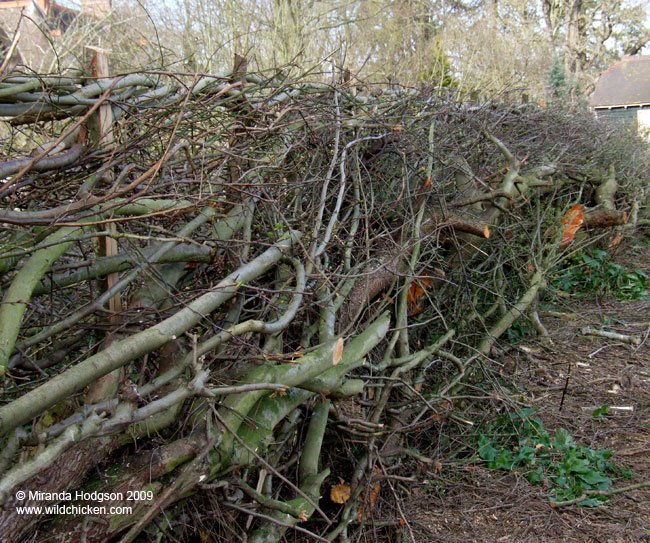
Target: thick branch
x=76, y=378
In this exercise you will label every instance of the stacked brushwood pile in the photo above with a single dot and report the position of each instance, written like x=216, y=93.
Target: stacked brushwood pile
x=216, y=289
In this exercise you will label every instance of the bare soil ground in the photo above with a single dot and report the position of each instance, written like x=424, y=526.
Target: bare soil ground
x=474, y=503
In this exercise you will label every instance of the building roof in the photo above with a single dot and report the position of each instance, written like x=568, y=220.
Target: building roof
x=626, y=83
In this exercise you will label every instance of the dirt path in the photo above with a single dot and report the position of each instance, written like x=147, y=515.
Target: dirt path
x=473, y=503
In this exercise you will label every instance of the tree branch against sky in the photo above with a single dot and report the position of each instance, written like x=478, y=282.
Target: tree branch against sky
x=487, y=45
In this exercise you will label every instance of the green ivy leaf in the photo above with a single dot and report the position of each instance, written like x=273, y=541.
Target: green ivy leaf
x=596, y=479
x=503, y=460
x=536, y=477
x=600, y=412
x=591, y=502
x=562, y=440
x=485, y=449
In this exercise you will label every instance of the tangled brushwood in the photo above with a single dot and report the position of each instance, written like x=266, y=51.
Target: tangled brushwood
x=215, y=289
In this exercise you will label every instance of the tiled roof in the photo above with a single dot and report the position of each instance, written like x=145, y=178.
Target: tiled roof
x=626, y=83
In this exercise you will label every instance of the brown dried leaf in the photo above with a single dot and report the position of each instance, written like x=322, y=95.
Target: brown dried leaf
x=340, y=493
x=572, y=222
x=416, y=290
x=368, y=503
x=616, y=240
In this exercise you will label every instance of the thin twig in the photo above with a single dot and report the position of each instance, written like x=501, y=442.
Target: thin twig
x=611, y=492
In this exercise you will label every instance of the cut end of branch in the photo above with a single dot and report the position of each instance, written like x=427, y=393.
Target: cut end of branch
x=338, y=352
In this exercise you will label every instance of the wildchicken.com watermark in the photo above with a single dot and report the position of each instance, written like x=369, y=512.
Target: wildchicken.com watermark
x=73, y=510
